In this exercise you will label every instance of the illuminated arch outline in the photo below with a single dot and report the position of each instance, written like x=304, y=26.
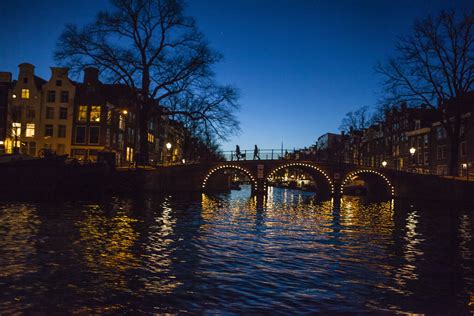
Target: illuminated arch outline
x=301, y=164
x=353, y=173
x=244, y=170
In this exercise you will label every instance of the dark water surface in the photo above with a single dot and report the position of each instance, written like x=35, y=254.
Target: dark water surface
x=228, y=254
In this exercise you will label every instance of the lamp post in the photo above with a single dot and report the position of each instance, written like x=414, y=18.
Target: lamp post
x=465, y=166
x=412, y=152
x=168, y=146
x=384, y=164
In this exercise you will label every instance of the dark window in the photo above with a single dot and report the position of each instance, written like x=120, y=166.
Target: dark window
x=25, y=80
x=48, y=131
x=62, y=131
x=63, y=113
x=51, y=96
x=64, y=96
x=463, y=148
x=49, y=112
x=32, y=149
x=16, y=115
x=59, y=82
x=80, y=134
x=30, y=113
x=440, y=133
x=94, y=132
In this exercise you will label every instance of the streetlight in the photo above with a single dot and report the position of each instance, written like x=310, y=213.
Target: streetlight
x=412, y=152
x=168, y=146
x=384, y=164
x=124, y=112
x=465, y=166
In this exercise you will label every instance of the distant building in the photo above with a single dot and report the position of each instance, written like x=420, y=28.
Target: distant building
x=5, y=86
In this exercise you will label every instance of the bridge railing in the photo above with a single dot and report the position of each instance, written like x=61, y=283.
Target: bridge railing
x=263, y=154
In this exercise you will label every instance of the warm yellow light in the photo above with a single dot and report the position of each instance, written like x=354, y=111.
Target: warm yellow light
x=2, y=142
x=168, y=145
x=384, y=163
x=464, y=165
x=125, y=112
x=14, y=96
x=412, y=150
x=184, y=160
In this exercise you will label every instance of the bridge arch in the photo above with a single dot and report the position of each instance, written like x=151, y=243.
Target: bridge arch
x=303, y=165
x=229, y=166
x=361, y=172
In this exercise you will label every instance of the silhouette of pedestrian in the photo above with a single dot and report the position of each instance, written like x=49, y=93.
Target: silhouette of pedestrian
x=237, y=152
x=256, y=154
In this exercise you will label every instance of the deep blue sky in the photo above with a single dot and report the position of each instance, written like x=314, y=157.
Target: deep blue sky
x=300, y=65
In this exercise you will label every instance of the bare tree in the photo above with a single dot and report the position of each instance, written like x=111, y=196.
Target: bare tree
x=356, y=120
x=435, y=66
x=152, y=47
x=353, y=124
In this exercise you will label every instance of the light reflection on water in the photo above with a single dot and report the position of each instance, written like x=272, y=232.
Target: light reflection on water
x=229, y=253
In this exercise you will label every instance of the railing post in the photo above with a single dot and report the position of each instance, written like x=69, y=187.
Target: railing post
x=272, y=154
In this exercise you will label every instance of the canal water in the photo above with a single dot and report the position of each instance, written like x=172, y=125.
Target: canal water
x=231, y=254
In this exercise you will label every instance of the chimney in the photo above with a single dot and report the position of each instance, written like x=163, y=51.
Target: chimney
x=5, y=76
x=91, y=76
x=59, y=72
x=26, y=70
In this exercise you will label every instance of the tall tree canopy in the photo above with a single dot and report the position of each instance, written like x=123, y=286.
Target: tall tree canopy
x=435, y=65
x=151, y=46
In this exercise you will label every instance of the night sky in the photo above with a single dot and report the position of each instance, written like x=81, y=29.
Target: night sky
x=300, y=65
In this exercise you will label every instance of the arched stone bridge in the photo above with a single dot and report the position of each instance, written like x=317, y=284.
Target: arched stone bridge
x=330, y=179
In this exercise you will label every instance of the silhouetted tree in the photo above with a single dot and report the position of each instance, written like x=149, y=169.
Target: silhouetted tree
x=151, y=46
x=353, y=125
x=435, y=65
x=356, y=120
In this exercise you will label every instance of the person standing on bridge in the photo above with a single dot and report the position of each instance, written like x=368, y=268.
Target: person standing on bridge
x=256, y=153
x=237, y=152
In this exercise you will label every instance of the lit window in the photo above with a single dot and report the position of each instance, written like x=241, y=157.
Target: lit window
x=121, y=122
x=25, y=93
x=151, y=138
x=16, y=129
x=95, y=113
x=30, y=130
x=129, y=154
x=82, y=114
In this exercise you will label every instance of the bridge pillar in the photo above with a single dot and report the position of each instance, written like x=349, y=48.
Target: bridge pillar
x=261, y=187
